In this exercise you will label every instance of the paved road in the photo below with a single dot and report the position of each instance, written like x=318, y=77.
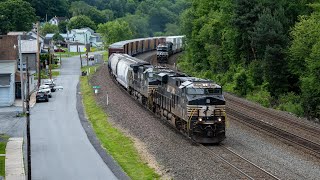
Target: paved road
x=60, y=147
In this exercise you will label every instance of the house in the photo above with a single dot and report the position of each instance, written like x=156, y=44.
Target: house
x=56, y=20
x=67, y=38
x=96, y=40
x=34, y=35
x=29, y=52
x=8, y=64
x=10, y=78
x=87, y=36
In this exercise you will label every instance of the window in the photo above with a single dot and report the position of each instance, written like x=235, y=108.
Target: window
x=4, y=79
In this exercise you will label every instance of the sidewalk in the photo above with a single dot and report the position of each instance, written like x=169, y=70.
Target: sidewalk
x=18, y=102
x=14, y=160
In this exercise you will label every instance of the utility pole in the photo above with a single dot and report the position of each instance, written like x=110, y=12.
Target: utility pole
x=38, y=57
x=86, y=51
x=80, y=56
x=50, y=59
x=28, y=122
x=21, y=74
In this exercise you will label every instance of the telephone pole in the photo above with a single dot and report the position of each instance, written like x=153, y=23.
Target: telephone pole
x=28, y=122
x=38, y=57
x=50, y=73
x=21, y=74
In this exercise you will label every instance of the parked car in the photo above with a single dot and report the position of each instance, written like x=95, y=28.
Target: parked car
x=46, y=89
x=50, y=83
x=59, y=50
x=42, y=96
x=91, y=58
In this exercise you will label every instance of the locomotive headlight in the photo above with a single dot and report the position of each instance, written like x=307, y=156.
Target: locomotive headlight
x=219, y=119
x=199, y=119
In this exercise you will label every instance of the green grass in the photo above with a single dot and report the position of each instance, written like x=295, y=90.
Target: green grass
x=45, y=76
x=3, y=143
x=67, y=54
x=55, y=73
x=120, y=147
x=105, y=56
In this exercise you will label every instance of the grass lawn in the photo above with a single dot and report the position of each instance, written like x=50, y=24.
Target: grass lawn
x=119, y=146
x=67, y=54
x=3, y=143
x=105, y=56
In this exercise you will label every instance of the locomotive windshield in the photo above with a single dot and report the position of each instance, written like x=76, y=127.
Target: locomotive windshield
x=204, y=91
x=163, y=48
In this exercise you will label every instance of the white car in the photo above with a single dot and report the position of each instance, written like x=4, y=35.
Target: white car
x=46, y=89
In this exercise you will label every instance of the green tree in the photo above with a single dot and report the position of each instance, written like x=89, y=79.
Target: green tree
x=311, y=83
x=172, y=29
x=50, y=8
x=81, y=8
x=16, y=15
x=63, y=26
x=81, y=21
x=243, y=86
x=57, y=38
x=115, y=31
x=138, y=25
x=48, y=28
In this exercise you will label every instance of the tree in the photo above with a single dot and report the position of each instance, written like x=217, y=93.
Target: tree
x=48, y=28
x=50, y=8
x=81, y=21
x=115, y=31
x=57, y=38
x=63, y=26
x=81, y=8
x=138, y=25
x=16, y=15
x=243, y=85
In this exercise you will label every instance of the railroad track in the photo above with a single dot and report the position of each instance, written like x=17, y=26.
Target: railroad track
x=245, y=168
x=285, y=121
x=290, y=137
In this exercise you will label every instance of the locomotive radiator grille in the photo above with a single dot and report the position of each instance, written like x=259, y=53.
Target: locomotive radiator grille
x=216, y=110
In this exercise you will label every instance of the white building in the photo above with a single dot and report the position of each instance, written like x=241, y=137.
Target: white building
x=8, y=59
x=56, y=20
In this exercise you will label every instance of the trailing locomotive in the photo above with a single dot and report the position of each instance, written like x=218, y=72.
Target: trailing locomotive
x=172, y=45
x=194, y=106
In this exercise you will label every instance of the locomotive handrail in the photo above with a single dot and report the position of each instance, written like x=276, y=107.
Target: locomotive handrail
x=189, y=120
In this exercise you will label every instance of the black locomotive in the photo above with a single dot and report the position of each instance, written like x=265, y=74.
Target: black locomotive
x=194, y=106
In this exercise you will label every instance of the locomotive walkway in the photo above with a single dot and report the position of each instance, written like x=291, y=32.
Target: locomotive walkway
x=60, y=148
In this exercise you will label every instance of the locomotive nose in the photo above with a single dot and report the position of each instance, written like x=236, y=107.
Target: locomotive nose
x=210, y=133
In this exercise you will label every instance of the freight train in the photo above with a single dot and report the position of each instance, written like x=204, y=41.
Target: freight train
x=136, y=46
x=172, y=45
x=165, y=46
x=194, y=106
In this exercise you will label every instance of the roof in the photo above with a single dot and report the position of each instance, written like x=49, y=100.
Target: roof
x=7, y=50
x=82, y=30
x=28, y=46
x=49, y=36
x=60, y=18
x=15, y=33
